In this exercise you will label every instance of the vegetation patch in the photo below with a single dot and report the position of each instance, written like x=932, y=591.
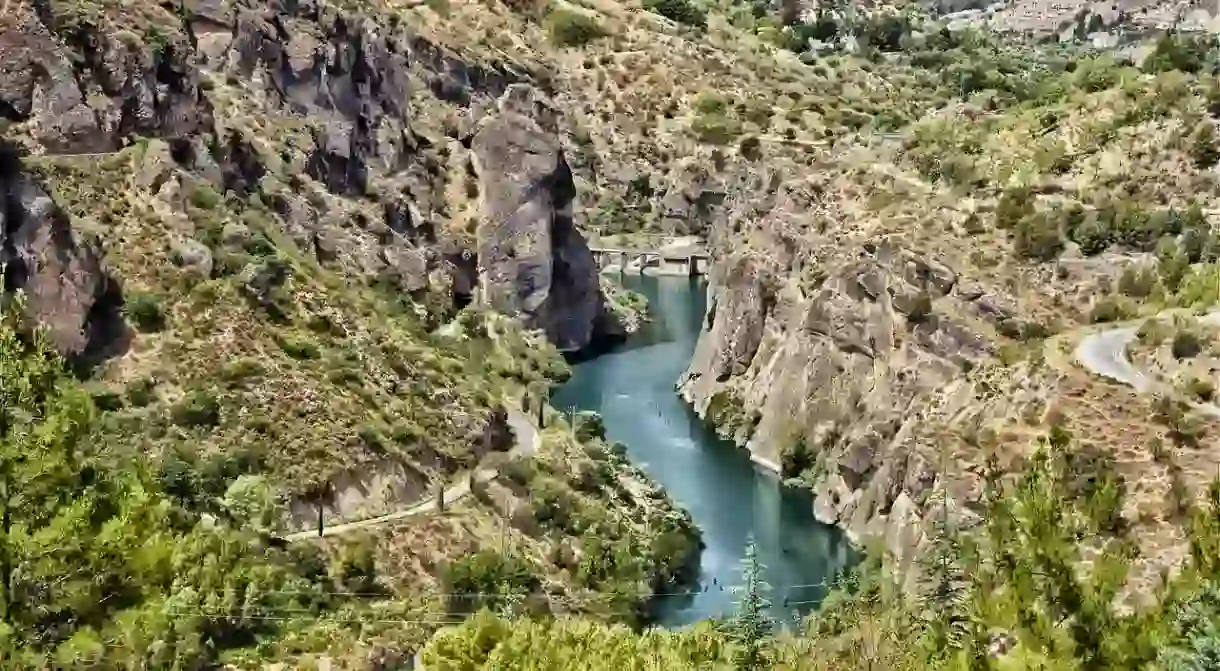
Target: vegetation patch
x=573, y=28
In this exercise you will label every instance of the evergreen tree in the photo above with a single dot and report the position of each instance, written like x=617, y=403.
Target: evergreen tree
x=751, y=626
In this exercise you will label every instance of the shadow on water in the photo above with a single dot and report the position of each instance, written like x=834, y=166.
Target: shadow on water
x=730, y=498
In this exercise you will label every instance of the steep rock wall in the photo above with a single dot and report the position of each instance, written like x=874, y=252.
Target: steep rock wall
x=533, y=262
x=848, y=360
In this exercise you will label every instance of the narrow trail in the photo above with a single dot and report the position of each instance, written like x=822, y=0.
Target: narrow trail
x=527, y=440
x=1104, y=353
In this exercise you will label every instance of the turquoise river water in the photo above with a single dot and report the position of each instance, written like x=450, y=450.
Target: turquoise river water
x=731, y=498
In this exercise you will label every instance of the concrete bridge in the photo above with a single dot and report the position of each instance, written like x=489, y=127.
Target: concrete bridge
x=688, y=261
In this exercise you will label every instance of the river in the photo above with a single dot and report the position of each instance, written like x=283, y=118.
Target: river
x=731, y=498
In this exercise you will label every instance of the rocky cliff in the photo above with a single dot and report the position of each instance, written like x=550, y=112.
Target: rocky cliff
x=316, y=112
x=882, y=350
x=532, y=259
x=243, y=219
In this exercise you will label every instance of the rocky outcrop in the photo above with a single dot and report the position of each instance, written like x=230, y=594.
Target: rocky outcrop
x=532, y=260
x=829, y=375
x=85, y=89
x=66, y=289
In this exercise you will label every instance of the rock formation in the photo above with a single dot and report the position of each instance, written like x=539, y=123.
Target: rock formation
x=836, y=358
x=67, y=290
x=532, y=260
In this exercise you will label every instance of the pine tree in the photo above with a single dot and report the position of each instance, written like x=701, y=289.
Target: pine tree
x=751, y=626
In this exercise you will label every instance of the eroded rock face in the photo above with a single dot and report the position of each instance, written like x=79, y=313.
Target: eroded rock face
x=122, y=88
x=67, y=291
x=830, y=373
x=532, y=260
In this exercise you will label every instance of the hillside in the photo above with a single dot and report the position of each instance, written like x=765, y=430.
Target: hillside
x=276, y=244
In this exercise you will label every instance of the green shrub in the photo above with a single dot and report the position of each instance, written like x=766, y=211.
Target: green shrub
x=1200, y=389
x=144, y=310
x=299, y=348
x=1110, y=309
x=710, y=103
x=1186, y=344
x=240, y=370
x=199, y=408
x=1014, y=205
x=1137, y=282
x=485, y=579
x=1172, y=263
x=205, y=197
x=372, y=436
x=1203, y=146
x=141, y=392
x=716, y=129
x=1140, y=229
x=1093, y=234
x=1037, y=236
x=106, y=399
x=1177, y=51
x=681, y=11
x=552, y=504
x=573, y=29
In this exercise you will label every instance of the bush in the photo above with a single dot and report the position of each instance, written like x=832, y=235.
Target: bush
x=1186, y=344
x=106, y=399
x=204, y=197
x=1015, y=204
x=199, y=408
x=299, y=348
x=1187, y=53
x=716, y=129
x=242, y=369
x=1201, y=389
x=1137, y=282
x=681, y=11
x=141, y=392
x=1203, y=145
x=144, y=310
x=572, y=29
x=710, y=103
x=485, y=579
x=1093, y=234
x=1038, y=237
x=1173, y=264
x=1110, y=309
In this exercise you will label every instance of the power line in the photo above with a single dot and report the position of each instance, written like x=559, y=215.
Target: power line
x=389, y=596
x=276, y=618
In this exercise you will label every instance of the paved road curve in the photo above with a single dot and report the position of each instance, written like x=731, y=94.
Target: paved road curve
x=1105, y=353
x=527, y=443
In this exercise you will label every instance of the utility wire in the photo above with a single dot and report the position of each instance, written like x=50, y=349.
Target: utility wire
x=385, y=595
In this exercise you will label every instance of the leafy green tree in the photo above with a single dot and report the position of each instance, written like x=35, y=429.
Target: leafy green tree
x=93, y=552
x=251, y=500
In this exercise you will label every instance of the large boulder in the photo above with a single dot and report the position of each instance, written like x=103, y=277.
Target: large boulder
x=533, y=262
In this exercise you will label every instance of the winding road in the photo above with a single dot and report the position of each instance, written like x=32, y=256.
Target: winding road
x=527, y=443
x=1104, y=353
